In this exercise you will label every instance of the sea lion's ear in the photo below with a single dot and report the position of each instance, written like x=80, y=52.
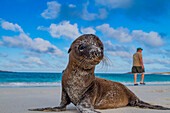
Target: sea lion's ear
x=69, y=50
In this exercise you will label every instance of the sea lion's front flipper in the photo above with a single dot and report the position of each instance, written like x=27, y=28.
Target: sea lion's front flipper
x=85, y=106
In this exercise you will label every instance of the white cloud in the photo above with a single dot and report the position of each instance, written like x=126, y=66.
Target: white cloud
x=10, y=65
x=162, y=61
x=120, y=34
x=53, y=10
x=66, y=48
x=152, y=38
x=86, y=15
x=117, y=47
x=102, y=14
x=114, y=3
x=72, y=5
x=3, y=55
x=17, y=41
x=42, y=45
x=37, y=45
x=165, y=52
x=158, y=61
x=32, y=53
x=1, y=43
x=64, y=29
x=32, y=59
x=42, y=28
x=10, y=26
x=122, y=54
x=148, y=61
x=88, y=30
x=118, y=50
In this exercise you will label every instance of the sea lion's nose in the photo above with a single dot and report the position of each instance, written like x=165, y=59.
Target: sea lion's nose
x=96, y=53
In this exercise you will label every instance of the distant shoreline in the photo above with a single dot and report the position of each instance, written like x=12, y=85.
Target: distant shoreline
x=162, y=73
x=6, y=71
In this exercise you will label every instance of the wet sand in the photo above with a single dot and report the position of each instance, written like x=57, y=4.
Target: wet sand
x=19, y=100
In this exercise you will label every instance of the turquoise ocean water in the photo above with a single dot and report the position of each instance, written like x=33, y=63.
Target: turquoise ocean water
x=26, y=79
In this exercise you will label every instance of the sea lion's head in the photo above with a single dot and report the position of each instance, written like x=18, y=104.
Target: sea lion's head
x=86, y=51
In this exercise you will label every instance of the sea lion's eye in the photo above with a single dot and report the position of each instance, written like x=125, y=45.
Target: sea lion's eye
x=81, y=47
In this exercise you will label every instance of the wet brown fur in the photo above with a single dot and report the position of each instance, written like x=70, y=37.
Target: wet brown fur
x=80, y=83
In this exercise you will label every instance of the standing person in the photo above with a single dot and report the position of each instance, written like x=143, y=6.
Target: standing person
x=138, y=66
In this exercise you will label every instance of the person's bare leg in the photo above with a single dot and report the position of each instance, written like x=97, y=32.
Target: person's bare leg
x=135, y=78
x=142, y=77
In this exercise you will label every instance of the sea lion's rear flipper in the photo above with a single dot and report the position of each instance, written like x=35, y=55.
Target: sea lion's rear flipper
x=142, y=104
x=56, y=109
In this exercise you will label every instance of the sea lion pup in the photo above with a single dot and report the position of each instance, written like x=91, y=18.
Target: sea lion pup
x=87, y=92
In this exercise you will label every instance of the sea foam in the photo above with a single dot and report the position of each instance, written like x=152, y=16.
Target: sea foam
x=35, y=84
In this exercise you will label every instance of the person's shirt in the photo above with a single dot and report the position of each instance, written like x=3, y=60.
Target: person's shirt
x=136, y=59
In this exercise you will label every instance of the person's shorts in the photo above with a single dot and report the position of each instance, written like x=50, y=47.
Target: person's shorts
x=137, y=69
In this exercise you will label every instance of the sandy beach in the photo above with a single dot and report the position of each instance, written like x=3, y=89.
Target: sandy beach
x=19, y=100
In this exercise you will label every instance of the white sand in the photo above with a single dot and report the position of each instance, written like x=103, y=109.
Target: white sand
x=19, y=100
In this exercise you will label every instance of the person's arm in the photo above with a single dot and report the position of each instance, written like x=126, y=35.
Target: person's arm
x=141, y=60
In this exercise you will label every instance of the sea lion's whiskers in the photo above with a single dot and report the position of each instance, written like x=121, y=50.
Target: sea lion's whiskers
x=107, y=60
x=105, y=63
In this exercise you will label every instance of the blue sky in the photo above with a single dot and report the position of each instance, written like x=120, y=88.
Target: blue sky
x=35, y=34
